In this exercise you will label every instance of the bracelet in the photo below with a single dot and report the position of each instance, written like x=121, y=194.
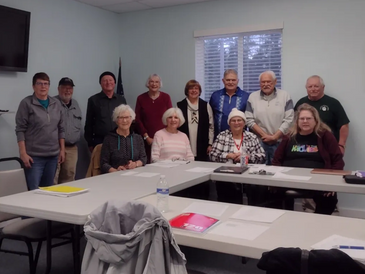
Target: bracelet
x=146, y=137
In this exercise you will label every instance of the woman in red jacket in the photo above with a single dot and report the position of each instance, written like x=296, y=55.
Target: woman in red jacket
x=310, y=144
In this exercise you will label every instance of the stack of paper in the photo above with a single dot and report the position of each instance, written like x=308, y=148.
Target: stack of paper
x=61, y=190
x=257, y=214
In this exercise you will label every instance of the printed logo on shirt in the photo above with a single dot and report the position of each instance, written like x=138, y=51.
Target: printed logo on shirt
x=304, y=148
x=324, y=108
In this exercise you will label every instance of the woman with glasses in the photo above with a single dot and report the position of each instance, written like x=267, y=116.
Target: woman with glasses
x=40, y=134
x=310, y=144
x=122, y=149
x=227, y=147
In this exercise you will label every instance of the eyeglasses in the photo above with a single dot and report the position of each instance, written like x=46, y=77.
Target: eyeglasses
x=42, y=84
x=302, y=119
x=124, y=117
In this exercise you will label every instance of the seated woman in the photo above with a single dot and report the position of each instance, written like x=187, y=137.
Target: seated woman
x=227, y=148
x=310, y=144
x=170, y=143
x=122, y=149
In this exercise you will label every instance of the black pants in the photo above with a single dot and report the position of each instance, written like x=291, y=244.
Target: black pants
x=324, y=205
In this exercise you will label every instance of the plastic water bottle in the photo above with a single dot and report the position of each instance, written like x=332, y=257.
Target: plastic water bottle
x=244, y=156
x=162, y=193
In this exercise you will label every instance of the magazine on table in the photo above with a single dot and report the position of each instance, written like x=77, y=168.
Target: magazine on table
x=193, y=222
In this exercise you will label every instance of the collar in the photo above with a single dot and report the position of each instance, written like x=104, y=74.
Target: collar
x=36, y=102
x=103, y=95
x=234, y=94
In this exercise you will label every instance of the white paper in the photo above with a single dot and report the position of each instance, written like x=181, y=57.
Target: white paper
x=165, y=165
x=245, y=231
x=257, y=214
x=147, y=174
x=279, y=175
x=337, y=240
x=209, y=209
x=270, y=170
x=129, y=173
x=201, y=169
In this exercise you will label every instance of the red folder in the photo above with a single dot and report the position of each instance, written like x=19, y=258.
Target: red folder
x=193, y=222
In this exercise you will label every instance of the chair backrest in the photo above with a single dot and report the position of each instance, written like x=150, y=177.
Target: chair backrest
x=94, y=166
x=11, y=182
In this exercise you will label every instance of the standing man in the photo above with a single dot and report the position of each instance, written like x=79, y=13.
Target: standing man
x=72, y=123
x=100, y=109
x=330, y=109
x=224, y=100
x=269, y=113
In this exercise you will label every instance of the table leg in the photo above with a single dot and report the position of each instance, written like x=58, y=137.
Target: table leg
x=76, y=249
x=49, y=246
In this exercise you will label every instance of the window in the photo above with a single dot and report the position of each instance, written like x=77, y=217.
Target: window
x=248, y=53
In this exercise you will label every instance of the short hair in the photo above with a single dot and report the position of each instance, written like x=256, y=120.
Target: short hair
x=122, y=108
x=172, y=111
x=190, y=84
x=153, y=75
x=230, y=71
x=270, y=72
x=40, y=76
x=319, y=127
x=315, y=76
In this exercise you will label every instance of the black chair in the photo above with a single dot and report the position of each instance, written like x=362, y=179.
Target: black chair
x=27, y=230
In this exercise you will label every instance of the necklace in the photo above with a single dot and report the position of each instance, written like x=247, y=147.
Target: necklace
x=240, y=144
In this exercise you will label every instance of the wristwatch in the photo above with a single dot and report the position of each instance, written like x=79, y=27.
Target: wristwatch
x=145, y=137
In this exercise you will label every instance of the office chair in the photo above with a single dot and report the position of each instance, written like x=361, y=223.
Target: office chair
x=27, y=230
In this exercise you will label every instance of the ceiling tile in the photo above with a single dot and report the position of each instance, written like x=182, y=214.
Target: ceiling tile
x=167, y=3
x=101, y=3
x=126, y=7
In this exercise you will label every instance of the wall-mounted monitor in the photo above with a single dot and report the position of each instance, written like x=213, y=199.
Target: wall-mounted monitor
x=14, y=39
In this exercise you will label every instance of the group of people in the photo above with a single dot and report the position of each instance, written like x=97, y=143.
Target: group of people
x=263, y=123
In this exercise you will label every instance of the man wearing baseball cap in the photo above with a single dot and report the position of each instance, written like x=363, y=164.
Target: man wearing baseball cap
x=72, y=122
x=100, y=109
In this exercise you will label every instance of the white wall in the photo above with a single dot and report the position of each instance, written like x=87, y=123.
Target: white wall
x=67, y=38
x=325, y=37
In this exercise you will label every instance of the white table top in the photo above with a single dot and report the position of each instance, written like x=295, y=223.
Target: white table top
x=101, y=189
x=293, y=229
x=114, y=186
x=317, y=181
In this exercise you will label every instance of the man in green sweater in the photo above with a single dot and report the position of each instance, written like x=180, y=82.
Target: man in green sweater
x=330, y=109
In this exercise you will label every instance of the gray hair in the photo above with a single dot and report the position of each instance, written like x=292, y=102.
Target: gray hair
x=123, y=108
x=153, y=75
x=270, y=72
x=230, y=71
x=171, y=111
x=316, y=76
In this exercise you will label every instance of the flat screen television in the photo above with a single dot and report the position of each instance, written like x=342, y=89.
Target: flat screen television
x=14, y=39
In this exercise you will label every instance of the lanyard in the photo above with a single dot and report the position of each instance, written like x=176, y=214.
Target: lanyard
x=240, y=145
x=131, y=145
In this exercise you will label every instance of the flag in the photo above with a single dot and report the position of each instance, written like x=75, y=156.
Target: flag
x=120, y=89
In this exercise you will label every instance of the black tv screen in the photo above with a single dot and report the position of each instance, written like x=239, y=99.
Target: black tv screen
x=14, y=39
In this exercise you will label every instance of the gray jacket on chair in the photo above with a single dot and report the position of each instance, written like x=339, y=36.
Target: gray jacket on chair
x=130, y=237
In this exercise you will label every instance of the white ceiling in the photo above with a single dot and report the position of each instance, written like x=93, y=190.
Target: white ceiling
x=121, y=6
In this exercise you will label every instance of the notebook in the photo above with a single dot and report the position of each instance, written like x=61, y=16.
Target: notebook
x=231, y=169
x=193, y=222
x=61, y=190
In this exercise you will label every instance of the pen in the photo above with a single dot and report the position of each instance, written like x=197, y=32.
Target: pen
x=351, y=247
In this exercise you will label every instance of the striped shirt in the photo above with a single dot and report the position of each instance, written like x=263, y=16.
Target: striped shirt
x=168, y=146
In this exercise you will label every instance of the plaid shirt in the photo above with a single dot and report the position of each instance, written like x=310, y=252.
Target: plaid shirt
x=224, y=144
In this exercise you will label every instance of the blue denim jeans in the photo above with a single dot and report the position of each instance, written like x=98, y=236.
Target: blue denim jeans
x=42, y=172
x=269, y=151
